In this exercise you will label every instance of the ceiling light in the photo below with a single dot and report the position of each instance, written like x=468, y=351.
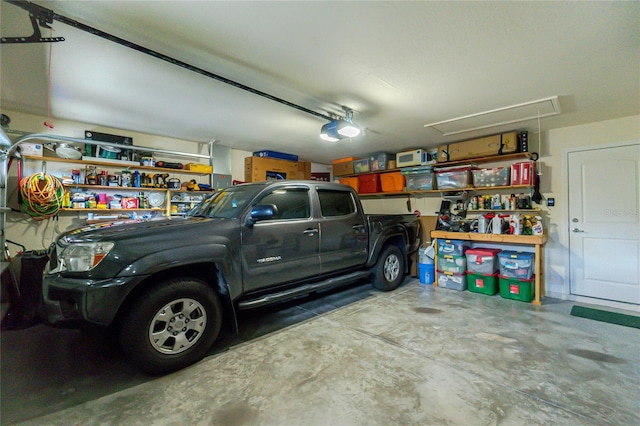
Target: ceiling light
x=340, y=128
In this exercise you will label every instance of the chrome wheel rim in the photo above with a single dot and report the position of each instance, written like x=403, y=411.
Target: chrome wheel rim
x=177, y=326
x=391, y=267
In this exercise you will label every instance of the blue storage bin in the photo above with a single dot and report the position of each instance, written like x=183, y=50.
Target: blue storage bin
x=276, y=154
x=427, y=273
x=453, y=247
x=516, y=264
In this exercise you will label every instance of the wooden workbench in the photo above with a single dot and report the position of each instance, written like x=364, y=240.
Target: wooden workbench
x=530, y=240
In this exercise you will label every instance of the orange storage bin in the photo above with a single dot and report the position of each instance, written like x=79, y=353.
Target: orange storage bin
x=392, y=182
x=352, y=182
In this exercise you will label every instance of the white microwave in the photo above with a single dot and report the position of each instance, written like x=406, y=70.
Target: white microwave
x=416, y=157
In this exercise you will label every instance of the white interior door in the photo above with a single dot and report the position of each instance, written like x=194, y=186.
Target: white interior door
x=604, y=223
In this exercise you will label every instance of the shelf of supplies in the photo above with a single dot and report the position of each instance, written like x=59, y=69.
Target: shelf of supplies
x=534, y=240
x=126, y=188
x=491, y=159
x=154, y=209
x=536, y=210
x=114, y=164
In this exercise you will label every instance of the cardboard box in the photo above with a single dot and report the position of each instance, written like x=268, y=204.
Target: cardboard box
x=258, y=169
x=304, y=170
x=482, y=147
x=33, y=149
x=343, y=168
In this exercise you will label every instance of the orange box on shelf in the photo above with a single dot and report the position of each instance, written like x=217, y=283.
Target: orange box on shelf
x=345, y=160
x=392, y=182
x=352, y=182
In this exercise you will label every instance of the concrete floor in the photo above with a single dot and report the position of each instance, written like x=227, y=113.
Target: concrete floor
x=418, y=355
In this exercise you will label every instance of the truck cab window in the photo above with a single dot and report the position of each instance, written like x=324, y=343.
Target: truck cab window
x=336, y=203
x=291, y=203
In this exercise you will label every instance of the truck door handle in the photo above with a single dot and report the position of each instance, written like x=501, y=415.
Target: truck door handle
x=310, y=231
x=358, y=227
x=577, y=230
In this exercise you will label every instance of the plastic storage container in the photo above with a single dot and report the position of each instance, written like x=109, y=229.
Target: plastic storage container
x=369, y=184
x=353, y=182
x=459, y=178
x=449, y=263
x=516, y=288
x=380, y=161
x=427, y=273
x=452, y=281
x=361, y=166
x=453, y=247
x=498, y=176
x=392, y=182
x=482, y=260
x=516, y=264
x=276, y=154
x=482, y=283
x=418, y=178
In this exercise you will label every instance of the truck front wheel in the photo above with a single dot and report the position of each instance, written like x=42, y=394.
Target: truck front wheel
x=388, y=273
x=171, y=326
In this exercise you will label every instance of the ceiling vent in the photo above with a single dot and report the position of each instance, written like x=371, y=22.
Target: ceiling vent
x=498, y=117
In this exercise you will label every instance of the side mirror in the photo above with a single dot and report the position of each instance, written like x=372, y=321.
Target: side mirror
x=261, y=212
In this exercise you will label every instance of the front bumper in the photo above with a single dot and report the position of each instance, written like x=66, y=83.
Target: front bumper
x=70, y=301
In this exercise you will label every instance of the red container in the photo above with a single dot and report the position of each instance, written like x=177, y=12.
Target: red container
x=369, y=184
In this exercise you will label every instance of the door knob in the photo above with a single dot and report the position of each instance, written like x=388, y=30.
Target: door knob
x=576, y=230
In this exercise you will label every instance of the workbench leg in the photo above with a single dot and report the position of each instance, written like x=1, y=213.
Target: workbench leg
x=538, y=288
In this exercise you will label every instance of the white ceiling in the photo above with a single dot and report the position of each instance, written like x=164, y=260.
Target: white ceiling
x=398, y=65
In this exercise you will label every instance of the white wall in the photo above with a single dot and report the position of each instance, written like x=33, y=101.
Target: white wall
x=554, y=184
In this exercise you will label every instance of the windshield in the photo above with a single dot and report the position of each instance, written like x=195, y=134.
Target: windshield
x=226, y=204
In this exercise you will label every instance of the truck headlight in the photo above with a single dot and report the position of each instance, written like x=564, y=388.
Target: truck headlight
x=81, y=257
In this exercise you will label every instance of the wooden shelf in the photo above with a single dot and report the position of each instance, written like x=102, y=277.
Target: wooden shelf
x=491, y=238
x=491, y=159
x=155, y=209
x=537, y=241
x=113, y=164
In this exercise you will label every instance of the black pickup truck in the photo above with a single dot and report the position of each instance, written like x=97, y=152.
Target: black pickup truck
x=163, y=285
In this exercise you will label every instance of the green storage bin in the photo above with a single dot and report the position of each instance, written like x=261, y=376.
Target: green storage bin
x=516, y=288
x=482, y=283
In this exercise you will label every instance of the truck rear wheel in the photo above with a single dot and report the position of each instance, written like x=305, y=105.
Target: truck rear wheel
x=171, y=326
x=388, y=273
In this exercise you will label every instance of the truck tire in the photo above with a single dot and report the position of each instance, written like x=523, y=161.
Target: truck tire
x=388, y=273
x=171, y=326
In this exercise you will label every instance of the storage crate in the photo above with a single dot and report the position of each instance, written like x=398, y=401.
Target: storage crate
x=449, y=263
x=361, y=166
x=276, y=154
x=380, y=161
x=452, y=281
x=453, y=247
x=353, y=182
x=369, y=184
x=516, y=288
x=392, y=182
x=418, y=178
x=427, y=273
x=498, y=176
x=482, y=283
x=197, y=167
x=482, y=260
x=458, y=178
x=345, y=160
x=516, y=264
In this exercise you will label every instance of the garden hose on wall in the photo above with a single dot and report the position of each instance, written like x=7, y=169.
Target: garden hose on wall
x=41, y=195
